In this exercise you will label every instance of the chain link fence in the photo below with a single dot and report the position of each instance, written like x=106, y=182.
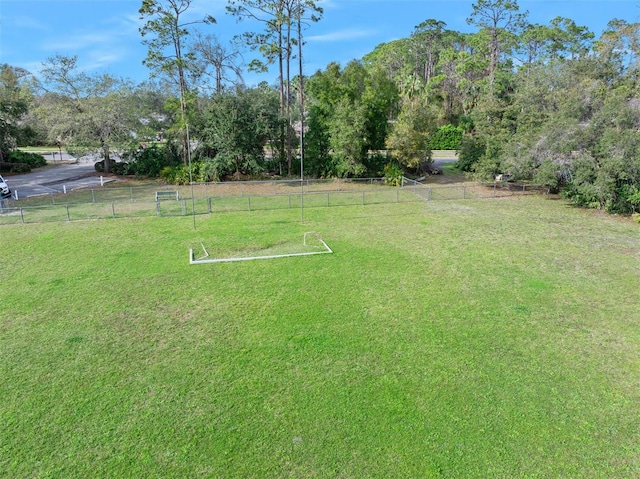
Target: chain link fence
x=168, y=200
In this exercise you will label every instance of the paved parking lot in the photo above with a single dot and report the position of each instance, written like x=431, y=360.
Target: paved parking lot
x=55, y=179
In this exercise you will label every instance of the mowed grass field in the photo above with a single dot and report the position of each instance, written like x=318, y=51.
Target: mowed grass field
x=470, y=339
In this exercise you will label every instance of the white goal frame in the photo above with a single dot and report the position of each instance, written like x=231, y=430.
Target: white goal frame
x=207, y=260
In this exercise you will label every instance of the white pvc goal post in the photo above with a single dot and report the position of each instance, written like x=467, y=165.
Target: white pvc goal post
x=322, y=248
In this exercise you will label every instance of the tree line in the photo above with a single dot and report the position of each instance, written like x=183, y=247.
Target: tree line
x=551, y=104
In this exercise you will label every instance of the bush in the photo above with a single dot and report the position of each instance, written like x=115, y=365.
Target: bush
x=203, y=171
x=32, y=160
x=99, y=165
x=447, y=137
x=470, y=151
x=548, y=175
x=393, y=174
x=120, y=168
x=148, y=161
x=20, y=168
x=584, y=195
x=14, y=167
x=375, y=164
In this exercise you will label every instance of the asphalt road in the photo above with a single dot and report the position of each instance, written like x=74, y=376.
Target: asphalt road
x=56, y=179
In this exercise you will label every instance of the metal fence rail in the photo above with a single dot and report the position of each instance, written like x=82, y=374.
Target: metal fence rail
x=236, y=197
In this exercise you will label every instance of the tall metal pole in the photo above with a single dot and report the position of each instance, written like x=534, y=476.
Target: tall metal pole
x=301, y=80
x=193, y=199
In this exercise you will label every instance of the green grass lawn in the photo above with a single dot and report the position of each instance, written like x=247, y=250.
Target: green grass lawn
x=471, y=339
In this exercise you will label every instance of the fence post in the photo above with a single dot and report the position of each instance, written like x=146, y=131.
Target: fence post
x=113, y=209
x=289, y=201
x=464, y=192
x=327, y=199
x=68, y=217
x=158, y=208
x=249, y=202
x=209, y=203
x=22, y=215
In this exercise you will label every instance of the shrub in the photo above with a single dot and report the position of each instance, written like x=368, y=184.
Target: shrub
x=168, y=174
x=375, y=164
x=469, y=153
x=20, y=168
x=548, y=175
x=148, y=161
x=14, y=167
x=447, y=137
x=208, y=171
x=584, y=195
x=203, y=171
x=120, y=168
x=393, y=174
x=99, y=165
x=32, y=160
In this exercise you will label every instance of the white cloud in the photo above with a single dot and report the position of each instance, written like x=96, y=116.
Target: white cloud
x=80, y=41
x=341, y=35
x=23, y=21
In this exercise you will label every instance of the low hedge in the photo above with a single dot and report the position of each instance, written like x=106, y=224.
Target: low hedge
x=14, y=167
x=32, y=160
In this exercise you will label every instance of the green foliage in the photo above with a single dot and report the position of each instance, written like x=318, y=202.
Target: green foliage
x=238, y=127
x=18, y=161
x=548, y=175
x=633, y=197
x=393, y=174
x=486, y=169
x=469, y=153
x=32, y=160
x=447, y=137
x=14, y=167
x=149, y=161
x=375, y=164
x=13, y=108
x=347, y=130
x=409, y=138
x=348, y=116
x=86, y=113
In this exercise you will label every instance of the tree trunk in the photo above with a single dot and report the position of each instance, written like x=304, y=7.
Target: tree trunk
x=105, y=152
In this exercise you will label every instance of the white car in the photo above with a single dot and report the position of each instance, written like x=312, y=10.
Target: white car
x=5, y=192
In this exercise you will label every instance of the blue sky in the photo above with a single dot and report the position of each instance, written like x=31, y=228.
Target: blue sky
x=104, y=33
